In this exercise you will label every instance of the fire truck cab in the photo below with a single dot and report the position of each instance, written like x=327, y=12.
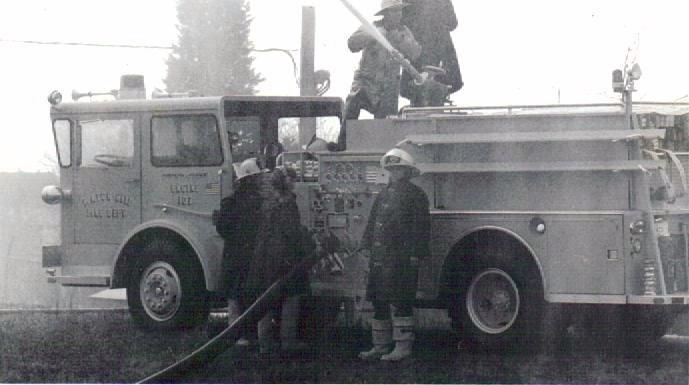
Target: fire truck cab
x=139, y=181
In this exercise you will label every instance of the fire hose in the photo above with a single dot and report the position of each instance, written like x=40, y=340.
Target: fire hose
x=221, y=342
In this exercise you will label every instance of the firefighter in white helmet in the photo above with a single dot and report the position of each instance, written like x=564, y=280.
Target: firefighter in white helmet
x=238, y=225
x=396, y=237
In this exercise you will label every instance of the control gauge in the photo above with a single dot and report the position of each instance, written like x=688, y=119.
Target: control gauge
x=339, y=170
x=349, y=169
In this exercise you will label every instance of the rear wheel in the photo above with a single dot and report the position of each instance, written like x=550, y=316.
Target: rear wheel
x=167, y=291
x=500, y=303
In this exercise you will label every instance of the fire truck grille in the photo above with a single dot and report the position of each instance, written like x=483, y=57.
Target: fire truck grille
x=674, y=259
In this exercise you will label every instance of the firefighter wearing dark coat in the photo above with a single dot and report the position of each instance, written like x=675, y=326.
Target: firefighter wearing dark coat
x=238, y=225
x=280, y=245
x=431, y=22
x=376, y=84
x=396, y=237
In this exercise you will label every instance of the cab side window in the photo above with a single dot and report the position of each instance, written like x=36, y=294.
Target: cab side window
x=62, y=130
x=245, y=137
x=107, y=143
x=185, y=141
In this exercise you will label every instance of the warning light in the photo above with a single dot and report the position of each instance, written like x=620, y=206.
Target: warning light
x=617, y=81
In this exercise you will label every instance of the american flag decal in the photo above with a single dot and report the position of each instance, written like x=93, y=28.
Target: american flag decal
x=212, y=188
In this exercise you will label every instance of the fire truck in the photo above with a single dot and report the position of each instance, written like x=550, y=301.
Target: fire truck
x=533, y=207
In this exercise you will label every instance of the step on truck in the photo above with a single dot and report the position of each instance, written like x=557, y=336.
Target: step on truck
x=533, y=207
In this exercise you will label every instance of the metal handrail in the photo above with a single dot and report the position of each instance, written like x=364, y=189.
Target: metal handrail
x=409, y=109
x=457, y=109
x=166, y=207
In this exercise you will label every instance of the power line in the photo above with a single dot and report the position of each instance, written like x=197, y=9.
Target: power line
x=70, y=43
x=82, y=44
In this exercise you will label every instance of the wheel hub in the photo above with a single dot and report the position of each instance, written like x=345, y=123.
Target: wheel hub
x=160, y=291
x=493, y=301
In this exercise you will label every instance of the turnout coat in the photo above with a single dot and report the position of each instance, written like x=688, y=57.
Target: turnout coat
x=238, y=224
x=431, y=22
x=281, y=243
x=378, y=75
x=398, y=234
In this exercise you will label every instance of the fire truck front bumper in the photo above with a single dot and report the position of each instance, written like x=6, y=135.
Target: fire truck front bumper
x=52, y=260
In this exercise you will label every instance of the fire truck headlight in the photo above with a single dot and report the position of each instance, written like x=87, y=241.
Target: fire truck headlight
x=636, y=245
x=638, y=227
x=53, y=195
x=55, y=98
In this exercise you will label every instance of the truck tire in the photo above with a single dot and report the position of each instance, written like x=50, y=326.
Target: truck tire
x=167, y=290
x=501, y=304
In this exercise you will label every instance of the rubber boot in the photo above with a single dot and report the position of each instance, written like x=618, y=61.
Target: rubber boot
x=266, y=342
x=289, y=326
x=403, y=334
x=381, y=335
x=233, y=312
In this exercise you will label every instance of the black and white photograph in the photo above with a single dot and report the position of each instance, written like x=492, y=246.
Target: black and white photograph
x=344, y=192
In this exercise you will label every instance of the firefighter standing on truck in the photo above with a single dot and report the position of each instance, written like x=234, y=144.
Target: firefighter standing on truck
x=431, y=22
x=396, y=237
x=376, y=84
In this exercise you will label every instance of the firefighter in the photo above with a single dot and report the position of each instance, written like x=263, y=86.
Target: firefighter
x=431, y=22
x=396, y=237
x=237, y=225
x=281, y=244
x=376, y=83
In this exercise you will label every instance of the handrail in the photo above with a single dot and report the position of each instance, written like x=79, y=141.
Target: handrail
x=166, y=207
x=458, y=109
x=509, y=107
x=532, y=137
x=680, y=168
x=519, y=167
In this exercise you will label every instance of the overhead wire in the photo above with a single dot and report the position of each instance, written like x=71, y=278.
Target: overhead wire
x=83, y=44
x=295, y=68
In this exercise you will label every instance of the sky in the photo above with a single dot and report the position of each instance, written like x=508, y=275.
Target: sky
x=510, y=52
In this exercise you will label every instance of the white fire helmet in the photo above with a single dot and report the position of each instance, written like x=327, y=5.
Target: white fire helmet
x=246, y=168
x=398, y=158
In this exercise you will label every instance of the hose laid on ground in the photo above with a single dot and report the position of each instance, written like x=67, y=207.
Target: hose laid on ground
x=221, y=342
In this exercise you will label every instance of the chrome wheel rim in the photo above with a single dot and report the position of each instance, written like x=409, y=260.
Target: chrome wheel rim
x=493, y=301
x=160, y=291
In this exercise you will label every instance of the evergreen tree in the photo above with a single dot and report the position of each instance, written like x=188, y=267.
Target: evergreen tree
x=212, y=55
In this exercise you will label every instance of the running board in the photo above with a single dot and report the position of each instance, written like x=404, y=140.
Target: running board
x=84, y=281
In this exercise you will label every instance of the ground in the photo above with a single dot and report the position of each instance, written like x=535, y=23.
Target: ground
x=106, y=347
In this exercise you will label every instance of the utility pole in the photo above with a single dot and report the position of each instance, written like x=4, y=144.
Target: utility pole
x=307, y=84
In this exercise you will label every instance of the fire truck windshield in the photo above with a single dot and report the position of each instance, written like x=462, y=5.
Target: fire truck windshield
x=107, y=142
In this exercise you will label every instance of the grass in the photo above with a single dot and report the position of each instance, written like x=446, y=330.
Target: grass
x=437, y=361
x=107, y=348
x=84, y=347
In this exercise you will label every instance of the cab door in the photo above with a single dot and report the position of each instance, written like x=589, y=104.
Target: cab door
x=107, y=178
x=184, y=173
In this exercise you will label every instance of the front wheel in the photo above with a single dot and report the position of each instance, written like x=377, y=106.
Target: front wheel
x=168, y=291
